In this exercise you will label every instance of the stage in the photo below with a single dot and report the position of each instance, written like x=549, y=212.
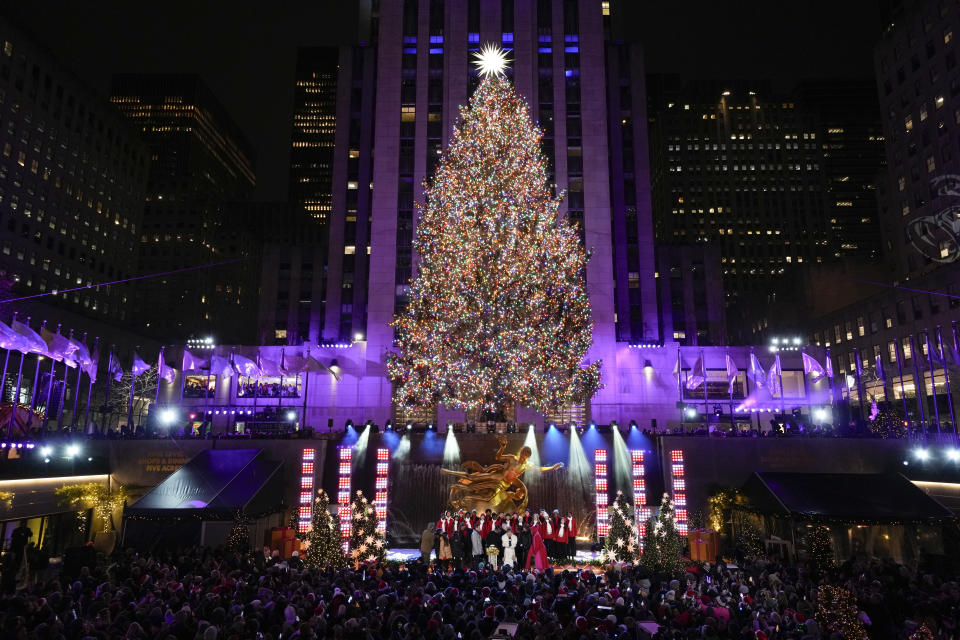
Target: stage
x=400, y=554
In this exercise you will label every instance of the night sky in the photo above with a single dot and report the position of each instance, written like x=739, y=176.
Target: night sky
x=246, y=51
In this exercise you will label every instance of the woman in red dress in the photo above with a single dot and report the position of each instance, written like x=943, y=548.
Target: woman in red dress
x=538, y=553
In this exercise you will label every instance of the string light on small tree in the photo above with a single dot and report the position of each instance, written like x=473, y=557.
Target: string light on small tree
x=366, y=543
x=662, y=544
x=837, y=613
x=238, y=540
x=621, y=543
x=324, y=544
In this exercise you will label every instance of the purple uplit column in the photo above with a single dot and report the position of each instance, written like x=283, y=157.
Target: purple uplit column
x=596, y=194
x=383, y=231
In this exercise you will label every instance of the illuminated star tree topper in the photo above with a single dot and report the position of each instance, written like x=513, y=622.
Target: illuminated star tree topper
x=498, y=315
x=491, y=60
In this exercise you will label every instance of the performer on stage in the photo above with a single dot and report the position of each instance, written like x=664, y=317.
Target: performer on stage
x=509, y=541
x=559, y=536
x=538, y=553
x=571, y=535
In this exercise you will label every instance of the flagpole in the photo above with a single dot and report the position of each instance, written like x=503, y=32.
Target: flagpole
x=858, y=366
x=36, y=379
x=106, y=391
x=46, y=405
x=133, y=383
x=156, y=399
x=206, y=392
x=96, y=367
x=63, y=394
x=783, y=409
x=806, y=386
x=76, y=392
x=706, y=380
x=280, y=386
x=919, y=388
x=16, y=394
x=933, y=382
x=680, y=385
x=3, y=380
x=946, y=380
x=903, y=395
x=756, y=388
x=306, y=386
x=733, y=419
x=183, y=377
x=830, y=379
x=256, y=390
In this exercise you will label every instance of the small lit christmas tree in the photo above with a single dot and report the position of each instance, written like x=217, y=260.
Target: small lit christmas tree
x=366, y=543
x=922, y=633
x=662, y=544
x=888, y=423
x=239, y=538
x=837, y=613
x=622, y=543
x=820, y=549
x=325, y=544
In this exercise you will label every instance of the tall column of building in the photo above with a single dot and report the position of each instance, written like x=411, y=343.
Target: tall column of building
x=383, y=229
x=596, y=195
x=331, y=290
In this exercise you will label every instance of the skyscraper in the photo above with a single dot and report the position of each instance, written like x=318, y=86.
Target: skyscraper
x=200, y=160
x=72, y=179
x=738, y=168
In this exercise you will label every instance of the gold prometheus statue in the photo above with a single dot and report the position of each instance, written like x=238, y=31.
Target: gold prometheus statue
x=498, y=487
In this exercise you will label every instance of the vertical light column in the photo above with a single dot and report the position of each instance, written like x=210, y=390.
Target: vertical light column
x=638, y=472
x=380, y=494
x=600, y=485
x=305, y=514
x=679, y=483
x=343, y=495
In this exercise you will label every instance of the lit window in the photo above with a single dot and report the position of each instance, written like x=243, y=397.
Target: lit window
x=352, y=185
x=605, y=8
x=908, y=123
x=931, y=164
x=938, y=101
x=280, y=334
x=349, y=250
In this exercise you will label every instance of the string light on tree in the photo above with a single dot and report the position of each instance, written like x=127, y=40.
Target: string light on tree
x=324, y=543
x=366, y=541
x=498, y=314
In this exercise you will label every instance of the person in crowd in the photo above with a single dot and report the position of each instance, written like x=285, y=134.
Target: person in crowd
x=537, y=556
x=571, y=523
x=426, y=543
x=457, y=548
x=509, y=544
x=444, y=551
x=476, y=546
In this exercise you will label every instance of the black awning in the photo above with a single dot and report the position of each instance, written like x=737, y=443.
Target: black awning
x=843, y=497
x=214, y=485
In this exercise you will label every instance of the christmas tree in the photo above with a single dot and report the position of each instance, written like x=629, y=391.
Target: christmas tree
x=325, y=544
x=820, y=549
x=662, y=544
x=837, y=613
x=366, y=543
x=498, y=314
x=238, y=540
x=622, y=543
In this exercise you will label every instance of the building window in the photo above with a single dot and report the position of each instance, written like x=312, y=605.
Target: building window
x=861, y=329
x=931, y=164
x=907, y=351
x=280, y=334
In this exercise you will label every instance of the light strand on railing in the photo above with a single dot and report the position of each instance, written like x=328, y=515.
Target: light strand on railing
x=380, y=493
x=679, y=482
x=600, y=486
x=343, y=495
x=305, y=515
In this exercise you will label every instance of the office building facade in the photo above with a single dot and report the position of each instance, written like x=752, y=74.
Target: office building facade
x=72, y=179
x=199, y=161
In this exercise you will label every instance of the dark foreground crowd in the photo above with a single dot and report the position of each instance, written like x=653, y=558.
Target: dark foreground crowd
x=215, y=595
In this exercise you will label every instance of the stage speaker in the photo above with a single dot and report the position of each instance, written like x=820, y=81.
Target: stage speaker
x=653, y=424
x=330, y=424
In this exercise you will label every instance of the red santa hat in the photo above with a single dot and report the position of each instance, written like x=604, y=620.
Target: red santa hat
x=582, y=623
x=489, y=611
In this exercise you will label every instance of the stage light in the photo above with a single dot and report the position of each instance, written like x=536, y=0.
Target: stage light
x=345, y=473
x=430, y=426
x=633, y=424
x=305, y=512
x=679, y=484
x=380, y=488
x=647, y=367
x=168, y=416
x=796, y=341
x=451, y=449
x=593, y=425
x=192, y=416
x=409, y=427
x=600, y=488
x=552, y=426
x=72, y=451
x=46, y=451
x=291, y=415
x=389, y=426
x=690, y=412
x=921, y=454
x=349, y=424
x=491, y=428
x=511, y=428
x=821, y=415
x=953, y=455
x=358, y=337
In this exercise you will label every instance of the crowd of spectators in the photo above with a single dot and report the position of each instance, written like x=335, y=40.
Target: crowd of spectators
x=204, y=594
